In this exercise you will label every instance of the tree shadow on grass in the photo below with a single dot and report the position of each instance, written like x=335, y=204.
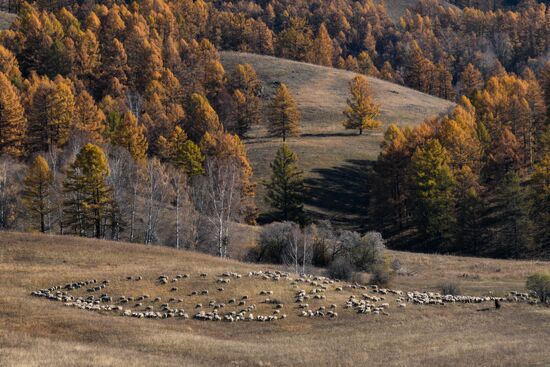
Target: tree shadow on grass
x=341, y=194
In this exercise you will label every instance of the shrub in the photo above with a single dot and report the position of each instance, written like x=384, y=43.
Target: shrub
x=540, y=284
x=396, y=264
x=449, y=287
x=272, y=242
x=368, y=252
x=381, y=275
x=341, y=269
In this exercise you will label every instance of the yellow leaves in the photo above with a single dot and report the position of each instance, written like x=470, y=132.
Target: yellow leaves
x=361, y=112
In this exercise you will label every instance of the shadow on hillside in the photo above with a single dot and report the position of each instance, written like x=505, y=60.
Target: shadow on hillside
x=342, y=194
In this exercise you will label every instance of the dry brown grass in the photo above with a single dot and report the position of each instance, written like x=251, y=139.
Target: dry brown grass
x=37, y=332
x=6, y=19
x=396, y=8
x=321, y=95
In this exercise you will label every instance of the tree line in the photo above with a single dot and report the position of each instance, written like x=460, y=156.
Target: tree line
x=476, y=181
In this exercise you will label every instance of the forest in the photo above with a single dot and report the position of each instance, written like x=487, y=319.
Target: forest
x=115, y=116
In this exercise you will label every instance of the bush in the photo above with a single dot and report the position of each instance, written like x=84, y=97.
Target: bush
x=449, y=287
x=540, y=284
x=381, y=275
x=272, y=242
x=368, y=252
x=340, y=269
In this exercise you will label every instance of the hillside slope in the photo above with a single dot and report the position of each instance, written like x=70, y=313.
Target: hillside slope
x=396, y=8
x=38, y=332
x=332, y=157
x=6, y=19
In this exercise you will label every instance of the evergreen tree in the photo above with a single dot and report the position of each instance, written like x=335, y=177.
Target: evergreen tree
x=12, y=119
x=89, y=118
x=540, y=197
x=245, y=79
x=285, y=190
x=88, y=204
x=432, y=184
x=130, y=134
x=470, y=234
x=51, y=115
x=471, y=81
x=361, y=112
x=245, y=114
x=9, y=65
x=201, y=118
x=512, y=230
x=182, y=152
x=388, y=204
x=323, y=47
x=36, y=194
x=283, y=114
x=545, y=85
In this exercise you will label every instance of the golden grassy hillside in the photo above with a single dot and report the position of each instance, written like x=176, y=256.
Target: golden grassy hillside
x=332, y=157
x=38, y=332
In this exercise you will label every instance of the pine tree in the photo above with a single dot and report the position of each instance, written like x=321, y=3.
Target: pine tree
x=540, y=197
x=545, y=85
x=471, y=81
x=283, y=114
x=36, y=194
x=323, y=47
x=361, y=112
x=88, y=203
x=130, y=134
x=12, y=119
x=388, y=205
x=9, y=65
x=246, y=113
x=470, y=233
x=432, y=184
x=513, y=230
x=366, y=66
x=182, y=152
x=201, y=118
x=90, y=120
x=285, y=190
x=51, y=115
x=245, y=79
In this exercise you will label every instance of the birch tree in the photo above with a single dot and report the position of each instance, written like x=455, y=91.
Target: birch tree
x=218, y=198
x=156, y=191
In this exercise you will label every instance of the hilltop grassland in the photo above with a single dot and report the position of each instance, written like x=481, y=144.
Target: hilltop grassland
x=331, y=156
x=35, y=331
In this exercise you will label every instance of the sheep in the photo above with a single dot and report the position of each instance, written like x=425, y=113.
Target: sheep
x=204, y=292
x=203, y=275
x=174, y=289
x=198, y=305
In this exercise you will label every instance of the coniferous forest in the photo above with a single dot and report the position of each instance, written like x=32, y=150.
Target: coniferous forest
x=113, y=113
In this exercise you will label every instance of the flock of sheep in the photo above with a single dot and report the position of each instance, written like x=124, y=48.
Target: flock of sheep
x=307, y=289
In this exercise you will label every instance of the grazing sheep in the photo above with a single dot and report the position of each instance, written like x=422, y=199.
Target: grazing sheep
x=174, y=289
x=204, y=292
x=221, y=289
x=198, y=305
x=203, y=275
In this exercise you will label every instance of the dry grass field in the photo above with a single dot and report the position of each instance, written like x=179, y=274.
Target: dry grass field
x=396, y=8
x=333, y=158
x=38, y=332
x=6, y=19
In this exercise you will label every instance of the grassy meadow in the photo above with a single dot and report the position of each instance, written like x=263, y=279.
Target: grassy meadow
x=36, y=332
